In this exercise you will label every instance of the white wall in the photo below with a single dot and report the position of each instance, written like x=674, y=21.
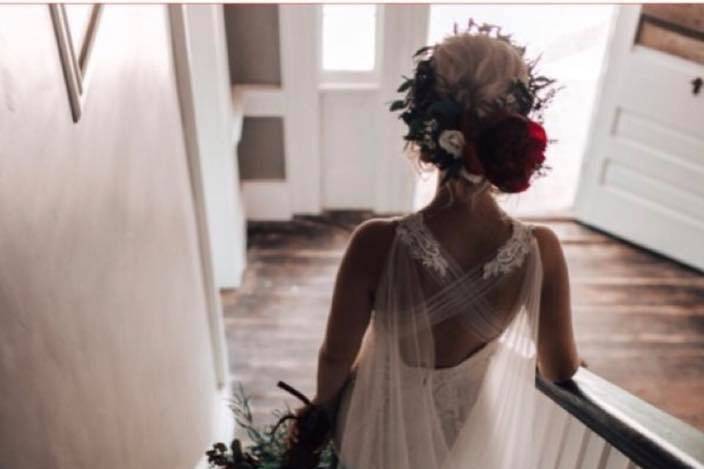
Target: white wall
x=105, y=352
x=207, y=71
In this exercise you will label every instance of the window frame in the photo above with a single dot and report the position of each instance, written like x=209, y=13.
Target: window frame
x=351, y=79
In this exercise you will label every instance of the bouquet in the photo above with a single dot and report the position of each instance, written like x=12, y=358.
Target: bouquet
x=297, y=440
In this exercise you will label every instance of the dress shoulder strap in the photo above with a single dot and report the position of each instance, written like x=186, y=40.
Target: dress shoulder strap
x=512, y=253
x=424, y=247
x=421, y=244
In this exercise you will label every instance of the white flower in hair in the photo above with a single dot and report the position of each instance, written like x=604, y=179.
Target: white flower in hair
x=471, y=177
x=452, y=141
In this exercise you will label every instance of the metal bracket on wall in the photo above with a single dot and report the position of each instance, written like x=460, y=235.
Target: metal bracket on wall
x=75, y=66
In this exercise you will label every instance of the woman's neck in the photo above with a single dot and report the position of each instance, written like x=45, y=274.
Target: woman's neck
x=464, y=204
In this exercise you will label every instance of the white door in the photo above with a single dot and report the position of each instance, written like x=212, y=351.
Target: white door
x=341, y=66
x=365, y=51
x=643, y=174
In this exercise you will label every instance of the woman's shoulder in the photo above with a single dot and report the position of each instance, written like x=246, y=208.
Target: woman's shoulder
x=369, y=247
x=551, y=253
x=375, y=234
x=545, y=236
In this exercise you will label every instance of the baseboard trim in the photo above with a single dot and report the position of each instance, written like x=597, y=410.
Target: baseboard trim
x=202, y=464
x=223, y=423
x=267, y=200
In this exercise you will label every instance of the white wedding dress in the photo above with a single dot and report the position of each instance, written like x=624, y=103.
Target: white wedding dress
x=403, y=411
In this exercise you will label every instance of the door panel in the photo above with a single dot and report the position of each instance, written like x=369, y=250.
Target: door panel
x=643, y=176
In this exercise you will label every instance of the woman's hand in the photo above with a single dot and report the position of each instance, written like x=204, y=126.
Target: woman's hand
x=307, y=437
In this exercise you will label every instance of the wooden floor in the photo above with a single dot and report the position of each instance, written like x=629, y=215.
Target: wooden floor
x=639, y=318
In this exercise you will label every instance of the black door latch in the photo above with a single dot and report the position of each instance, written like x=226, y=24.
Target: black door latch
x=697, y=85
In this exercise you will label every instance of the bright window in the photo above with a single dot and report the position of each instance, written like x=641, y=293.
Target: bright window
x=349, y=36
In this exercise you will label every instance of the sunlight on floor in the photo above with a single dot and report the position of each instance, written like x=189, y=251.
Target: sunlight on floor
x=572, y=39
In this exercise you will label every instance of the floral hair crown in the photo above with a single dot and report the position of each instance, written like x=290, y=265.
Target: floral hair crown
x=509, y=145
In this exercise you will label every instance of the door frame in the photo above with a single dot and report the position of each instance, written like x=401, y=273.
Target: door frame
x=401, y=31
x=184, y=80
x=625, y=23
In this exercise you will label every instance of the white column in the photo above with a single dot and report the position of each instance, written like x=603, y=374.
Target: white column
x=208, y=74
x=405, y=31
x=299, y=45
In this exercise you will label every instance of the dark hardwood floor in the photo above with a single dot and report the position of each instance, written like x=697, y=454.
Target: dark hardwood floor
x=639, y=318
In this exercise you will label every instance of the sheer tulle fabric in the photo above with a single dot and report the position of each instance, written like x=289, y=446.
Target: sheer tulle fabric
x=445, y=375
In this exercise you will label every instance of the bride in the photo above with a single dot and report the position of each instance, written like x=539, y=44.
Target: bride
x=440, y=318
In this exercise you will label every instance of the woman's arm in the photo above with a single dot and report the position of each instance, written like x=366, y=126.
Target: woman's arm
x=557, y=351
x=352, y=304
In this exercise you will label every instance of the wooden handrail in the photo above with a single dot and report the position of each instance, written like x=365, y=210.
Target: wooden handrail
x=646, y=435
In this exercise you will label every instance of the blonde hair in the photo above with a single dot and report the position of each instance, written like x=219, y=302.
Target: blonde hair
x=477, y=69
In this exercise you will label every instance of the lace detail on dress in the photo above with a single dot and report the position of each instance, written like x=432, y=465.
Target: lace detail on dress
x=511, y=255
x=454, y=389
x=422, y=247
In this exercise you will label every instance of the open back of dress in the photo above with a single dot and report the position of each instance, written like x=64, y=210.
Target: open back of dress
x=446, y=374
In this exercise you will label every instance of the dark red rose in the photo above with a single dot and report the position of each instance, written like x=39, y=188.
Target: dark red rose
x=511, y=148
